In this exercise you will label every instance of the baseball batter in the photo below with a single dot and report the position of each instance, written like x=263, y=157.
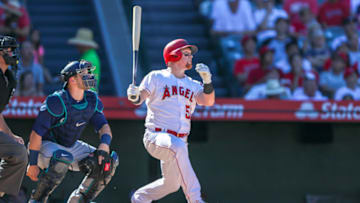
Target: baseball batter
x=171, y=97
x=54, y=141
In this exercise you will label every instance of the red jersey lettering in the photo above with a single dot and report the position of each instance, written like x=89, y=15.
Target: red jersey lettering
x=166, y=93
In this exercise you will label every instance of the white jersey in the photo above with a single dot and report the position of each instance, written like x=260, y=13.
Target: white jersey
x=171, y=101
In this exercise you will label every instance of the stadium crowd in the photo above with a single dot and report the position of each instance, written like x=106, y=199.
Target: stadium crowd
x=295, y=49
x=288, y=49
x=274, y=49
x=32, y=75
x=15, y=22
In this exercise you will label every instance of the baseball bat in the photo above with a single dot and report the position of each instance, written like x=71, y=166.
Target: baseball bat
x=136, y=29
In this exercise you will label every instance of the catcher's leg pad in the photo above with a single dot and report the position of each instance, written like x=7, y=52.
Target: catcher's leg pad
x=97, y=176
x=53, y=175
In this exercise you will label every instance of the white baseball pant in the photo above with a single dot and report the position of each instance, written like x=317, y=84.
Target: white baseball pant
x=175, y=167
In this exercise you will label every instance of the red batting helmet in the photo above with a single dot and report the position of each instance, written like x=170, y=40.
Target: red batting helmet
x=172, y=51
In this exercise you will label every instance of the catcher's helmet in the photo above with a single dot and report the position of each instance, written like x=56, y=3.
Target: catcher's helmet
x=7, y=42
x=172, y=51
x=82, y=67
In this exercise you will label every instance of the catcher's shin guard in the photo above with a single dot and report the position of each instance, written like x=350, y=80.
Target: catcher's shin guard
x=97, y=176
x=54, y=174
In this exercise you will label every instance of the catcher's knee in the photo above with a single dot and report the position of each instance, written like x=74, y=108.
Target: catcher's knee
x=54, y=174
x=61, y=156
x=59, y=164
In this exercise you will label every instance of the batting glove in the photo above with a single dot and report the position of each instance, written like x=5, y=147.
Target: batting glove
x=133, y=93
x=204, y=72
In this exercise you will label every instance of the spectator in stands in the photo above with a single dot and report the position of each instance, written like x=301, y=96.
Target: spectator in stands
x=257, y=75
x=351, y=87
x=333, y=79
x=27, y=64
x=26, y=85
x=350, y=28
x=274, y=90
x=14, y=20
x=309, y=90
x=258, y=91
x=295, y=77
x=291, y=48
x=354, y=49
x=317, y=52
x=250, y=60
x=281, y=39
x=343, y=51
x=293, y=7
x=266, y=14
x=39, y=52
x=86, y=45
x=232, y=17
x=305, y=23
x=332, y=13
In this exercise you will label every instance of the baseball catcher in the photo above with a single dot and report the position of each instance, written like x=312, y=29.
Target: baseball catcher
x=54, y=141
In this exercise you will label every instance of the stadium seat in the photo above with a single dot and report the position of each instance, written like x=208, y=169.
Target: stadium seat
x=333, y=32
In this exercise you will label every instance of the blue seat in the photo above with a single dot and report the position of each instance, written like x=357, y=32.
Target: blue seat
x=333, y=32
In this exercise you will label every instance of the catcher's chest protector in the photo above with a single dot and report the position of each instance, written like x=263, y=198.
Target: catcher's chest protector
x=74, y=118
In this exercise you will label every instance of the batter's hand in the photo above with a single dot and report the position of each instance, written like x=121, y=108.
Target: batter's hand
x=103, y=147
x=204, y=72
x=33, y=172
x=133, y=93
x=18, y=139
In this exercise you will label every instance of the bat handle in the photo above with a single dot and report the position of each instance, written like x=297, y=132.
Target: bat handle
x=135, y=64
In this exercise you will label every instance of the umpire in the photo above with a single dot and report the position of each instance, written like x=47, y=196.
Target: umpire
x=12, y=150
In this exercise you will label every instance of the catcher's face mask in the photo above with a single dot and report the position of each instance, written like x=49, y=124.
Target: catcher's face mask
x=85, y=74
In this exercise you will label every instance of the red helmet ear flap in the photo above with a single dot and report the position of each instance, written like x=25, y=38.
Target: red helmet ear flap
x=176, y=55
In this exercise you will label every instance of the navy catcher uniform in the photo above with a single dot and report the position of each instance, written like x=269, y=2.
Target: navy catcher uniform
x=61, y=120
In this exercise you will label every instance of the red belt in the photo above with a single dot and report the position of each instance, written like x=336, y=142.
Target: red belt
x=171, y=132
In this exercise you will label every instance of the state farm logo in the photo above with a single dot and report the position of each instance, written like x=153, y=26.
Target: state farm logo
x=329, y=110
x=22, y=108
x=306, y=110
x=229, y=111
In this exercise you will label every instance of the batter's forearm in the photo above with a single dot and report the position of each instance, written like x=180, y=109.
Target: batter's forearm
x=3, y=126
x=209, y=99
x=143, y=96
x=206, y=99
